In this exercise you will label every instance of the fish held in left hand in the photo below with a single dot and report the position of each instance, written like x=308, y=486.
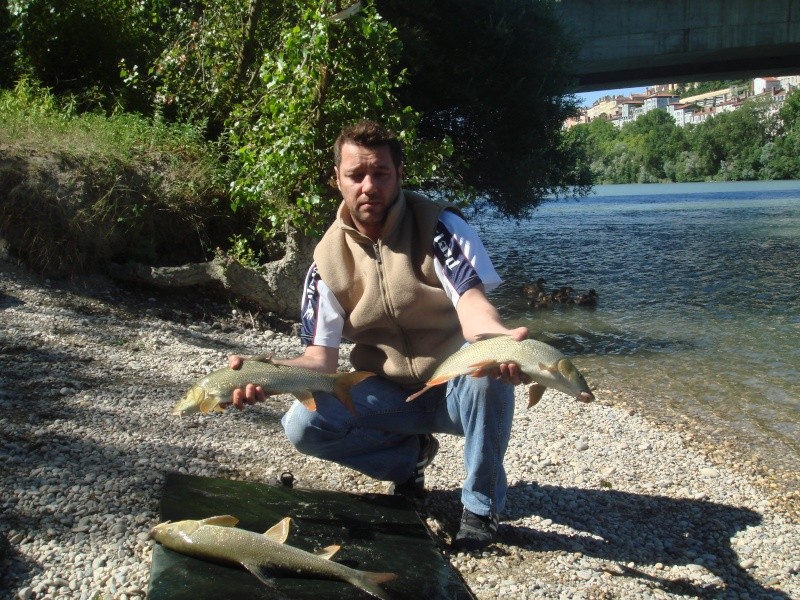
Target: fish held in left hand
x=213, y=392
x=545, y=365
x=218, y=539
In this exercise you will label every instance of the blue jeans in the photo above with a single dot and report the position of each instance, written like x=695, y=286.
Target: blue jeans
x=381, y=439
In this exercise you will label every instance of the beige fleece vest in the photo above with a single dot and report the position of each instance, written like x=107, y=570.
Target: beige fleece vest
x=396, y=313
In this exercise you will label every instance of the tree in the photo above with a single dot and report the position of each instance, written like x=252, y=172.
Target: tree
x=494, y=78
x=657, y=140
x=76, y=47
x=323, y=74
x=729, y=145
x=8, y=45
x=789, y=115
x=275, y=81
x=329, y=66
x=211, y=60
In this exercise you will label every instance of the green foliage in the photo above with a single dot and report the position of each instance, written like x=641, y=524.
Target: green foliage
x=322, y=75
x=728, y=146
x=8, y=46
x=657, y=140
x=493, y=77
x=789, y=115
x=242, y=251
x=271, y=84
x=75, y=47
x=211, y=60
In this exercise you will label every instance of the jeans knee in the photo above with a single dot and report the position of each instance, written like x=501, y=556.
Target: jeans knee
x=306, y=436
x=295, y=426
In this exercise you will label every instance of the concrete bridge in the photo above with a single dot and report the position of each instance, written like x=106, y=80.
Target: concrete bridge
x=625, y=43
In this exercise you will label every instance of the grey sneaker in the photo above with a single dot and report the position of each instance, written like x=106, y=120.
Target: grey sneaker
x=414, y=486
x=476, y=532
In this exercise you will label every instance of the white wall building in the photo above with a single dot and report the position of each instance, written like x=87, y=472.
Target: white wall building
x=682, y=113
x=656, y=101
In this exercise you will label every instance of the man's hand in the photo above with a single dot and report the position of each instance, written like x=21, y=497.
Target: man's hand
x=510, y=372
x=249, y=394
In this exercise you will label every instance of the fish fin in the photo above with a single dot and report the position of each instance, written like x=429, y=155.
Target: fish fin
x=280, y=531
x=483, y=368
x=328, y=551
x=440, y=379
x=306, y=399
x=487, y=336
x=342, y=384
x=369, y=582
x=535, y=393
x=210, y=404
x=221, y=521
x=264, y=358
x=260, y=573
x=549, y=368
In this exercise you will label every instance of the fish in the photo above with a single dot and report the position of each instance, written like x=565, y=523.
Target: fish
x=541, y=362
x=218, y=539
x=212, y=393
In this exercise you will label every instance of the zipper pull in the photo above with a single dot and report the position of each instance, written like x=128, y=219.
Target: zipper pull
x=377, y=250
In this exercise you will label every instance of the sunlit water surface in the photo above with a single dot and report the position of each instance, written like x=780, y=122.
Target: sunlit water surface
x=699, y=307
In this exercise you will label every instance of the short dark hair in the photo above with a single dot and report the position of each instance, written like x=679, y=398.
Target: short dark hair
x=368, y=134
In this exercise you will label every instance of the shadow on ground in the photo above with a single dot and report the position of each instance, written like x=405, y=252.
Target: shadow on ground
x=626, y=528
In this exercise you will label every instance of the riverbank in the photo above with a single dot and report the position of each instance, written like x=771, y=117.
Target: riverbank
x=603, y=503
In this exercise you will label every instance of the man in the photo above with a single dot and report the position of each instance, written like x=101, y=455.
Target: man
x=404, y=279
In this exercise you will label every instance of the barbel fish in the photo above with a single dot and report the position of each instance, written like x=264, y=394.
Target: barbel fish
x=541, y=362
x=218, y=539
x=213, y=392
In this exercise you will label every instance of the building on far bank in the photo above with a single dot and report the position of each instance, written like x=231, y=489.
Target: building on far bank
x=682, y=113
x=688, y=110
x=630, y=109
x=605, y=107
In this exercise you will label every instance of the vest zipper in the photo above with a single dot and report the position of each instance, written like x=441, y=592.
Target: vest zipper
x=390, y=312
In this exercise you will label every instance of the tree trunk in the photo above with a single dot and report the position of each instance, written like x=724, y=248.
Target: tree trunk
x=276, y=287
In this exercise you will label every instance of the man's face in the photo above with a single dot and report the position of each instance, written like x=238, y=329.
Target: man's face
x=369, y=183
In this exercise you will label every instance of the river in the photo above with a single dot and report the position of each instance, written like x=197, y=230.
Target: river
x=698, y=314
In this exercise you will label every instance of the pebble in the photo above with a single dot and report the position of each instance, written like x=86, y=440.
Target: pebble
x=602, y=504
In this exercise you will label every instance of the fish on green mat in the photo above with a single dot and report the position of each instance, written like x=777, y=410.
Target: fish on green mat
x=218, y=539
x=213, y=392
x=545, y=365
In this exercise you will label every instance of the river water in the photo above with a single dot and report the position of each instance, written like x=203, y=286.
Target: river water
x=699, y=300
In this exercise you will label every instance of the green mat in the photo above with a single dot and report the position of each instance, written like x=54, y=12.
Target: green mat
x=377, y=532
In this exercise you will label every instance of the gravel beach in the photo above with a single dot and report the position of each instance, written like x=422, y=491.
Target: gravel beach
x=603, y=503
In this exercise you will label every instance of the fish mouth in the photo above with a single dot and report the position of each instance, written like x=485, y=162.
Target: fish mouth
x=585, y=397
x=155, y=529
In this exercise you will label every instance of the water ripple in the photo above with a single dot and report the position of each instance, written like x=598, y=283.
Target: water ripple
x=698, y=296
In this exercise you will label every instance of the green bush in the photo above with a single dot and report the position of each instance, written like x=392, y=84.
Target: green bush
x=79, y=190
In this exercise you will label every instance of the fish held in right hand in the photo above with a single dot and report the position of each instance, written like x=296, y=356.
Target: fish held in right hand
x=212, y=393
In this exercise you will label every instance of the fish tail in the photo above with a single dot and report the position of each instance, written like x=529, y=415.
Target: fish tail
x=343, y=383
x=370, y=581
x=416, y=395
x=432, y=383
